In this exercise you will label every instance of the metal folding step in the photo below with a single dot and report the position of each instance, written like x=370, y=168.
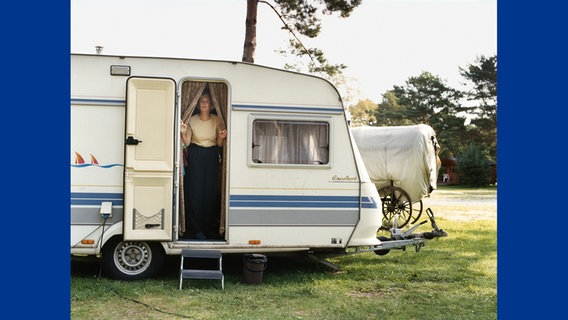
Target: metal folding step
x=203, y=274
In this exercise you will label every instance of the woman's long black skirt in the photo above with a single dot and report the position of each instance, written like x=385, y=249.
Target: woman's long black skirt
x=202, y=192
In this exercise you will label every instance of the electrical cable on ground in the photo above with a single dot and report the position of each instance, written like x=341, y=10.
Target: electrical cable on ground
x=126, y=298
x=149, y=306
x=134, y=300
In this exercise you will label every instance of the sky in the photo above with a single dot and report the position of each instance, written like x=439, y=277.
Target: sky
x=382, y=43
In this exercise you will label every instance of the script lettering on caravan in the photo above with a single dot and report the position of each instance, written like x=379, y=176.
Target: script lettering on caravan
x=346, y=178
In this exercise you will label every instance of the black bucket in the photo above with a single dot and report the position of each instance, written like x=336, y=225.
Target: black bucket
x=254, y=266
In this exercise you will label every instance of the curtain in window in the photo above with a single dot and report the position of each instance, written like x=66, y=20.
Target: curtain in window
x=290, y=142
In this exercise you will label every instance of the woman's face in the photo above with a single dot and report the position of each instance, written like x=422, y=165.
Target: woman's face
x=204, y=104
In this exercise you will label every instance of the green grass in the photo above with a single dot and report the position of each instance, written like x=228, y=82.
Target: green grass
x=450, y=278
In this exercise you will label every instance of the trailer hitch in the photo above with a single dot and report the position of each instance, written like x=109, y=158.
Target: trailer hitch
x=397, y=234
x=437, y=232
x=400, y=240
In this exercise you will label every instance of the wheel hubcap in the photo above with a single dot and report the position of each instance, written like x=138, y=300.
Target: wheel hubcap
x=132, y=257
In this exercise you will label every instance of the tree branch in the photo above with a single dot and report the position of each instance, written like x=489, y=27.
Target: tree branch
x=288, y=28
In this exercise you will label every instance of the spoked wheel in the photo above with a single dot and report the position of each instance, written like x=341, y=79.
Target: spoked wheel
x=396, y=202
x=416, y=211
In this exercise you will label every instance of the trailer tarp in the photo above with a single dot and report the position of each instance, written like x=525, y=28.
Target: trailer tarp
x=405, y=155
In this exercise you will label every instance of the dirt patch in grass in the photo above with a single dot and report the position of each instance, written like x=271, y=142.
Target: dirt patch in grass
x=463, y=204
x=374, y=293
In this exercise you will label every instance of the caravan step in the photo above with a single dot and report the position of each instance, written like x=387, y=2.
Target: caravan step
x=203, y=274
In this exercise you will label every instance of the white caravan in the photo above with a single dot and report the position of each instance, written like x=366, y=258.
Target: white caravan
x=292, y=179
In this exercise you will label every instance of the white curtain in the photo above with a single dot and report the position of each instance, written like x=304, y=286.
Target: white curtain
x=290, y=142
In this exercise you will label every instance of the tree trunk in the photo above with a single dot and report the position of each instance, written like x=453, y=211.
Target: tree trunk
x=250, y=31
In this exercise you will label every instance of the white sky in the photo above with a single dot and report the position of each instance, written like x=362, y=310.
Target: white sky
x=383, y=42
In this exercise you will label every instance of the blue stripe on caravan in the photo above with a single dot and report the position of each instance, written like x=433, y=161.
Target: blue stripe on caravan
x=287, y=108
x=85, y=199
x=275, y=201
x=368, y=203
x=113, y=102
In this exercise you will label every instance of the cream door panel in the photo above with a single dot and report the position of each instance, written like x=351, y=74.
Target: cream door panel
x=149, y=159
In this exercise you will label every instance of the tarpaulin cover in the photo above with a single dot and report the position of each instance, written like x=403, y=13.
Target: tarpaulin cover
x=405, y=155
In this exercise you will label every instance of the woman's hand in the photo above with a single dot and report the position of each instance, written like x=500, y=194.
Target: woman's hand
x=183, y=132
x=221, y=137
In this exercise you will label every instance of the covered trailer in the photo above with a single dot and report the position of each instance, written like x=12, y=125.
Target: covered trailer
x=291, y=178
x=403, y=163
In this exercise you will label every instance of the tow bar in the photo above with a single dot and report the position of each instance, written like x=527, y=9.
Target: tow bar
x=400, y=239
x=397, y=240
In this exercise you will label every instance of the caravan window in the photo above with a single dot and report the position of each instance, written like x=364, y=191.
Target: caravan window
x=276, y=141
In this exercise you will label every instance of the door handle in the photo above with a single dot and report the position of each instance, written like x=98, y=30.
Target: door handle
x=132, y=141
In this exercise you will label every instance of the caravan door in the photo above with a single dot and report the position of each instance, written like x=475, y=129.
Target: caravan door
x=149, y=166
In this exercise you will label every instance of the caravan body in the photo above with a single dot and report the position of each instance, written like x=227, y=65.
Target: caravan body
x=291, y=178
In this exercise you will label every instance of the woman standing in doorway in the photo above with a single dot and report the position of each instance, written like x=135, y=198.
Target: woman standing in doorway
x=203, y=135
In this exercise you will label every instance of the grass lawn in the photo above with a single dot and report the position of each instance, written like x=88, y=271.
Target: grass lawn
x=450, y=278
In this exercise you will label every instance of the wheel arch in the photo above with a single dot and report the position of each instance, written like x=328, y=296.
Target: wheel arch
x=113, y=231
x=132, y=259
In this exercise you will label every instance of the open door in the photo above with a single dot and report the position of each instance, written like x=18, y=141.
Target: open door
x=149, y=166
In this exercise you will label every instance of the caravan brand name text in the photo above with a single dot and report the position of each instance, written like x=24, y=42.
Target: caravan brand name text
x=343, y=178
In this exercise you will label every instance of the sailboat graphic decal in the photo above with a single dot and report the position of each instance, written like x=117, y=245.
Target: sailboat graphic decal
x=80, y=162
x=79, y=159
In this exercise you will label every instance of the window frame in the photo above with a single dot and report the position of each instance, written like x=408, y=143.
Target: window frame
x=299, y=118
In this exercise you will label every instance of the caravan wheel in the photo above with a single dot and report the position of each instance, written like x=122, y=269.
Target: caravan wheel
x=131, y=260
